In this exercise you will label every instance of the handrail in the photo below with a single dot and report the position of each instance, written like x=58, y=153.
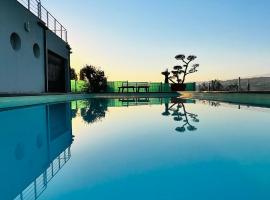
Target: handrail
x=38, y=186
x=35, y=7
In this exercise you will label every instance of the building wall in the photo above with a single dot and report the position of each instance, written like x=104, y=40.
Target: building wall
x=20, y=70
x=57, y=45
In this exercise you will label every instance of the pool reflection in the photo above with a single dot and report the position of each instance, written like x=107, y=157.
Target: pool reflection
x=93, y=110
x=178, y=111
x=35, y=145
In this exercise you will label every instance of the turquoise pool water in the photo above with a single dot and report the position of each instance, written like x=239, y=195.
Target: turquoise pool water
x=135, y=149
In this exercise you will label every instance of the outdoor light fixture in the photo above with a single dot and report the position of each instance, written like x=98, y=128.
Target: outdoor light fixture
x=27, y=26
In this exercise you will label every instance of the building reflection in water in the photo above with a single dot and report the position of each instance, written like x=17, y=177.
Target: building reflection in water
x=35, y=145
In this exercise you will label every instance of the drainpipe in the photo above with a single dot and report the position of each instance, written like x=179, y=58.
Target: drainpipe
x=68, y=84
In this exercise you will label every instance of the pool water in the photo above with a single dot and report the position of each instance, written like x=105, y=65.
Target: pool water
x=135, y=149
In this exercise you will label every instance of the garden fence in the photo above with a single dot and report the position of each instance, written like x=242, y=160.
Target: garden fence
x=113, y=86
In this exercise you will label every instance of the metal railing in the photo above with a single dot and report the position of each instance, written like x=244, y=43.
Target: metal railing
x=240, y=84
x=35, y=7
x=38, y=186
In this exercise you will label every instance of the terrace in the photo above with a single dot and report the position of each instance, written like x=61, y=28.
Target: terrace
x=35, y=7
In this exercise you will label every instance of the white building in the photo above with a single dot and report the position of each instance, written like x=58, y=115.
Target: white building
x=34, y=53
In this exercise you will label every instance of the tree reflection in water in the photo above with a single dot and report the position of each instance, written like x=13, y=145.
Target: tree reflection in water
x=180, y=114
x=94, y=110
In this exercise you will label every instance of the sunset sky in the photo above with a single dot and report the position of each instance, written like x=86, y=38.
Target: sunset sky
x=136, y=39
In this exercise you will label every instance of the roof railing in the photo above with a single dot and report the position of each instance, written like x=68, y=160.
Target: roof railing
x=35, y=7
x=38, y=186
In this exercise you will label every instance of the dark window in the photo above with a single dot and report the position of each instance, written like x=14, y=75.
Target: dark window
x=56, y=73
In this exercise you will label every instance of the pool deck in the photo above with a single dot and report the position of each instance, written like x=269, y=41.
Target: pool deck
x=246, y=98
x=11, y=101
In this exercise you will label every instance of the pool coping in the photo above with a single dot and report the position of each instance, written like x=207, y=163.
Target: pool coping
x=12, y=101
x=261, y=99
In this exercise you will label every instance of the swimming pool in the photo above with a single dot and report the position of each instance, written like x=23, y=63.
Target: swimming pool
x=137, y=148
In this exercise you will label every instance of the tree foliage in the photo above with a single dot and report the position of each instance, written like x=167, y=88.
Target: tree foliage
x=203, y=87
x=95, y=77
x=73, y=75
x=214, y=85
x=180, y=72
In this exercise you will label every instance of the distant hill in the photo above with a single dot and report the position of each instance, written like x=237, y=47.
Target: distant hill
x=256, y=83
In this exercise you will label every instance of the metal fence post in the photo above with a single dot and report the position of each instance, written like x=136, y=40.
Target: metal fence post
x=39, y=10
x=28, y=4
x=61, y=32
x=54, y=25
x=248, y=85
x=239, y=84
x=47, y=19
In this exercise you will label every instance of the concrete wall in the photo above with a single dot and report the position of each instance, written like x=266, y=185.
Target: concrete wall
x=57, y=45
x=20, y=70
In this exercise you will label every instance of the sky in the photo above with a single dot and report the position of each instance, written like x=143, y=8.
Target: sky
x=137, y=39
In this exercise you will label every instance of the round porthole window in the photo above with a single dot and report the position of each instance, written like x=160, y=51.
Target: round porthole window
x=15, y=41
x=36, y=50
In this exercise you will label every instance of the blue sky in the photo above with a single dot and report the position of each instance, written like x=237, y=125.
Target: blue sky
x=136, y=39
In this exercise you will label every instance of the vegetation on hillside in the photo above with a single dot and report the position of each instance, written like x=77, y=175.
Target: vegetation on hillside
x=246, y=84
